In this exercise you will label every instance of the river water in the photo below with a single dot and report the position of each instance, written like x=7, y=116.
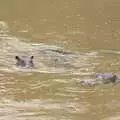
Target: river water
x=70, y=40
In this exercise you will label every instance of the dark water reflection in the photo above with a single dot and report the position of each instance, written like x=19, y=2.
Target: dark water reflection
x=88, y=30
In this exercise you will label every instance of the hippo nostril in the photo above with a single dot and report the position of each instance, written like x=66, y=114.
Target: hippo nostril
x=113, y=79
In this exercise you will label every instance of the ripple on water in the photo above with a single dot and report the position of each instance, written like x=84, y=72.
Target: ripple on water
x=63, y=101
x=116, y=117
x=48, y=59
x=35, y=108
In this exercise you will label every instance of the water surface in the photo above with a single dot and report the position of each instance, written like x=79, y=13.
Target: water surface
x=71, y=40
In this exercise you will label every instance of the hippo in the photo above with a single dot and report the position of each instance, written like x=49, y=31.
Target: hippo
x=107, y=77
x=101, y=78
x=23, y=61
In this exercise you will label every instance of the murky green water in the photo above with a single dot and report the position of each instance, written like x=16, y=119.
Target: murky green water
x=87, y=32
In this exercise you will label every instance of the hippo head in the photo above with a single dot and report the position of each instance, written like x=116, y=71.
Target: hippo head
x=24, y=61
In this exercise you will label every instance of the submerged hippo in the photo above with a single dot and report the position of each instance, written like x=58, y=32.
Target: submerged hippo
x=101, y=78
x=25, y=61
x=107, y=77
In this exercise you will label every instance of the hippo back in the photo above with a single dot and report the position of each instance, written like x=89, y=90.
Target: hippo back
x=104, y=75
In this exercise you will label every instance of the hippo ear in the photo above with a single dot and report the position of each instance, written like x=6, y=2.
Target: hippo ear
x=17, y=58
x=31, y=57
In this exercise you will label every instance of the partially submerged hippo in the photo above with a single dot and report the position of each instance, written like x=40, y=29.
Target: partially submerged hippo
x=101, y=78
x=26, y=62
x=107, y=77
